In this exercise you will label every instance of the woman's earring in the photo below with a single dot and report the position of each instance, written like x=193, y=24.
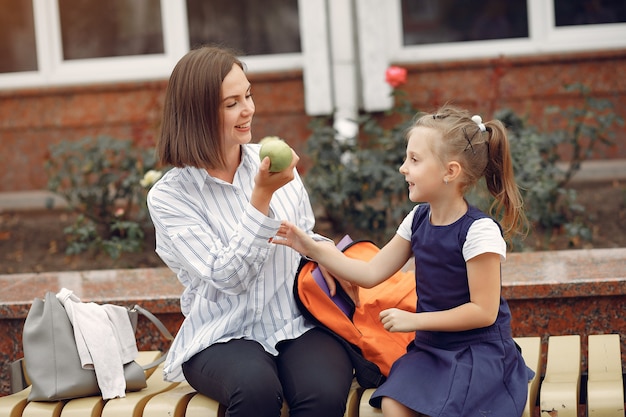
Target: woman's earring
x=445, y=180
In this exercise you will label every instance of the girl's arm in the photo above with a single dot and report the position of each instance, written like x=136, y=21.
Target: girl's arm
x=385, y=263
x=483, y=273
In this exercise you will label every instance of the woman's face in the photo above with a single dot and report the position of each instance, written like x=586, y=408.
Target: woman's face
x=237, y=108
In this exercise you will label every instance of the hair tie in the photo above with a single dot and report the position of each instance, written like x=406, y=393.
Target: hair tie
x=479, y=121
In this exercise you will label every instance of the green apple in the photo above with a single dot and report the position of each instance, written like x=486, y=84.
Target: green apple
x=268, y=138
x=278, y=151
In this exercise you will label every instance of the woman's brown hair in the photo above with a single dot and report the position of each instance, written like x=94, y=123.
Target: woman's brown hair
x=191, y=125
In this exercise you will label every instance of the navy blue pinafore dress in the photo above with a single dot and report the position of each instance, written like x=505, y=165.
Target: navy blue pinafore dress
x=477, y=372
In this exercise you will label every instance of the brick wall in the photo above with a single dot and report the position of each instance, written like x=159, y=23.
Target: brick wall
x=526, y=85
x=32, y=119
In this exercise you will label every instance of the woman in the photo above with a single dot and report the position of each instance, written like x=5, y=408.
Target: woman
x=243, y=341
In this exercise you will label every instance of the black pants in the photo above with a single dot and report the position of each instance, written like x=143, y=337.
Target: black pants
x=313, y=373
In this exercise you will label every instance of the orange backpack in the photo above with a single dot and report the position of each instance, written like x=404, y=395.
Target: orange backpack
x=372, y=348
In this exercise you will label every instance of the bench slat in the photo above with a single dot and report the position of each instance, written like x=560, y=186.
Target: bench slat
x=605, y=386
x=43, y=409
x=13, y=405
x=561, y=384
x=92, y=406
x=171, y=403
x=531, y=352
x=202, y=406
x=365, y=409
x=83, y=407
x=133, y=404
x=353, y=402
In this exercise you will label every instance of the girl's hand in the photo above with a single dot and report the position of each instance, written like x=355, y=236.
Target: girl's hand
x=396, y=320
x=291, y=235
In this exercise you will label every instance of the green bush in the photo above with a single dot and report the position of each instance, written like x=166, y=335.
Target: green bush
x=357, y=184
x=546, y=161
x=101, y=180
x=356, y=181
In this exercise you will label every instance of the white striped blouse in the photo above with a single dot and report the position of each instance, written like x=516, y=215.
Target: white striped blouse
x=236, y=283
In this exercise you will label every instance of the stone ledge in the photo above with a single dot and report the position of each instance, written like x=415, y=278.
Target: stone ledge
x=527, y=275
x=565, y=274
x=550, y=293
x=156, y=289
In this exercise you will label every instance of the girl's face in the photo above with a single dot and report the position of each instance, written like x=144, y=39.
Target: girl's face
x=237, y=108
x=422, y=169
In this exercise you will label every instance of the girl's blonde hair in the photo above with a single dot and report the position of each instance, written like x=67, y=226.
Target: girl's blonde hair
x=482, y=150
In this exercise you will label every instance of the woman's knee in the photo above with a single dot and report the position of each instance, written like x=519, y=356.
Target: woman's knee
x=256, y=395
x=318, y=402
x=239, y=375
x=257, y=392
x=316, y=374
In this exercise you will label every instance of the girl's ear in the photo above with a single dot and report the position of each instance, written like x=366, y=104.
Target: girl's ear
x=453, y=171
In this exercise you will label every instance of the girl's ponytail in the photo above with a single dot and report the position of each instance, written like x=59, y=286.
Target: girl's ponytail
x=500, y=180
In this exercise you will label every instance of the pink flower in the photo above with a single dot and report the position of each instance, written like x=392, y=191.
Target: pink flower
x=395, y=76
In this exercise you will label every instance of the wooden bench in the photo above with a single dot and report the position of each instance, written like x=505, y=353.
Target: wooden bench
x=558, y=393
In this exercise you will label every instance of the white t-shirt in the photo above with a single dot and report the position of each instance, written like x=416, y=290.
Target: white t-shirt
x=483, y=236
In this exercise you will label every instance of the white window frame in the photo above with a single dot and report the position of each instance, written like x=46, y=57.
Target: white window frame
x=54, y=71
x=385, y=42
x=317, y=74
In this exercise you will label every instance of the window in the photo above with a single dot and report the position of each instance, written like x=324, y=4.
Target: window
x=17, y=37
x=431, y=30
x=56, y=42
x=589, y=12
x=444, y=30
x=251, y=26
x=457, y=29
x=110, y=28
x=432, y=21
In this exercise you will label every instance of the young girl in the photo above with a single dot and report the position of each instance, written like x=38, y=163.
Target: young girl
x=463, y=361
